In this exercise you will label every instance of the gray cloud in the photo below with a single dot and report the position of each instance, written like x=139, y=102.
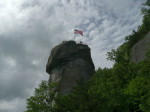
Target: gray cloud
x=30, y=28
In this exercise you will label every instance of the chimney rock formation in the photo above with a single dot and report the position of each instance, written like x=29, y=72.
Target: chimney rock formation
x=69, y=62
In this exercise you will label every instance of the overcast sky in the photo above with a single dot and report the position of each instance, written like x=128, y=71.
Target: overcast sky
x=29, y=29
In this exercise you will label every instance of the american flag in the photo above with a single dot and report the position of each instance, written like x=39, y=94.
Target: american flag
x=78, y=32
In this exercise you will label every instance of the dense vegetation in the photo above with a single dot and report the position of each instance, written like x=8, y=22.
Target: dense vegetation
x=41, y=101
x=123, y=88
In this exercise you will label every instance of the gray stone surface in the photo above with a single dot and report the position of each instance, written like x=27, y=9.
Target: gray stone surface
x=139, y=50
x=69, y=62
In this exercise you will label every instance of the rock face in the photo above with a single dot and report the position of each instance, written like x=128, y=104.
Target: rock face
x=69, y=62
x=138, y=51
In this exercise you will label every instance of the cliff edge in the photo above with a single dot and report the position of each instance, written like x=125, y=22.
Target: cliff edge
x=138, y=51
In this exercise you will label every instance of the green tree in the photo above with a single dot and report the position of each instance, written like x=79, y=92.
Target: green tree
x=42, y=99
x=121, y=54
x=138, y=94
x=122, y=88
x=76, y=101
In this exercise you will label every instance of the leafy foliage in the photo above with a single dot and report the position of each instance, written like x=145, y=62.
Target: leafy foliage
x=138, y=94
x=77, y=101
x=42, y=99
x=119, y=55
x=123, y=88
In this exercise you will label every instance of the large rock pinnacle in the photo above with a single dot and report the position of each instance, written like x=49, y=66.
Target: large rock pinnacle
x=69, y=62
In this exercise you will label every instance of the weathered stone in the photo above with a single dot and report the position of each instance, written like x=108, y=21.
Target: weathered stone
x=138, y=51
x=69, y=62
